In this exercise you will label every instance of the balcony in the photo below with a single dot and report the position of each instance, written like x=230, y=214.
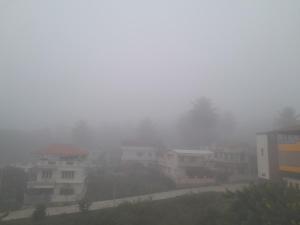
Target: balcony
x=41, y=184
x=194, y=163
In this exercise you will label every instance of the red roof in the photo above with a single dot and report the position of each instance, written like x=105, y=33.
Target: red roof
x=63, y=150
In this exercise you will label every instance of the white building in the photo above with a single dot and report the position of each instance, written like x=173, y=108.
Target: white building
x=237, y=164
x=58, y=176
x=146, y=156
x=187, y=167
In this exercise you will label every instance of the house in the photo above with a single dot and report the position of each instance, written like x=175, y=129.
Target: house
x=235, y=163
x=188, y=167
x=278, y=155
x=145, y=155
x=57, y=176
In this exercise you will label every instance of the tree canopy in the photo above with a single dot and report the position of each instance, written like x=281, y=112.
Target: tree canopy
x=287, y=117
x=198, y=127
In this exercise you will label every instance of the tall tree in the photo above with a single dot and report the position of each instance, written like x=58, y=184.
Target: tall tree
x=12, y=188
x=198, y=126
x=287, y=118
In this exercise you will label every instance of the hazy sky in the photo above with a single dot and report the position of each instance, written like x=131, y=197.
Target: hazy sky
x=64, y=60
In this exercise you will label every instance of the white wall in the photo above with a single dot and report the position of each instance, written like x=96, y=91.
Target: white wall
x=174, y=169
x=262, y=159
x=77, y=183
x=79, y=191
x=79, y=173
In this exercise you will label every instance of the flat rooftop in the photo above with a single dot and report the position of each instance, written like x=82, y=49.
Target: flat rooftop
x=192, y=151
x=288, y=130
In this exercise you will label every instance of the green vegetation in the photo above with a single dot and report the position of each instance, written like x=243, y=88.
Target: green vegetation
x=268, y=203
x=39, y=213
x=133, y=180
x=12, y=188
x=84, y=205
x=272, y=204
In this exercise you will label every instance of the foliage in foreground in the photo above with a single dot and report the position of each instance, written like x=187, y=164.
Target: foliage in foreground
x=84, y=205
x=267, y=203
x=39, y=213
x=263, y=204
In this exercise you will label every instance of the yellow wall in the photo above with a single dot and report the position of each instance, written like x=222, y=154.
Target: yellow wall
x=292, y=169
x=289, y=147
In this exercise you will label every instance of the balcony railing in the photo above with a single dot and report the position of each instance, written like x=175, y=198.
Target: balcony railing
x=41, y=184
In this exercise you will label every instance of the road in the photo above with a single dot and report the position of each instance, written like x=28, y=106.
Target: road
x=51, y=211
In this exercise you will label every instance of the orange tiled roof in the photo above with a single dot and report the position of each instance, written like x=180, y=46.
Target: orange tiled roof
x=63, y=150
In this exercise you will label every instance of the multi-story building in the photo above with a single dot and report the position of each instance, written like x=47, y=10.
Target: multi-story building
x=278, y=155
x=187, y=167
x=58, y=175
x=236, y=163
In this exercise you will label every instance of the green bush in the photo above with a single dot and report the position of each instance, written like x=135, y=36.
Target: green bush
x=84, y=205
x=39, y=213
x=265, y=203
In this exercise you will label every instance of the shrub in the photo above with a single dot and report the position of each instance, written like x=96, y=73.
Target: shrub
x=84, y=205
x=39, y=213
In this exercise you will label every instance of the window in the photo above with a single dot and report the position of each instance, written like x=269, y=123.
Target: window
x=66, y=191
x=46, y=174
x=67, y=174
x=262, y=151
x=149, y=154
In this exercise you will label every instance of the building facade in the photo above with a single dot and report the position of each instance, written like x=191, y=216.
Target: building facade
x=278, y=155
x=236, y=164
x=57, y=176
x=187, y=167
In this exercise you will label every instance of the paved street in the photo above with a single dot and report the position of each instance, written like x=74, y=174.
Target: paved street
x=25, y=213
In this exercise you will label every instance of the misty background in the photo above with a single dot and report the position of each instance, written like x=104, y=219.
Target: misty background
x=114, y=63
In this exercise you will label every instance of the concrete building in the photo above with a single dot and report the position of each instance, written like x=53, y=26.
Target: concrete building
x=57, y=176
x=187, y=167
x=237, y=163
x=278, y=155
x=144, y=155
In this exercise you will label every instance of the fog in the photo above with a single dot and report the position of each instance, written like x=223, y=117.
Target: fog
x=107, y=103
x=121, y=61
